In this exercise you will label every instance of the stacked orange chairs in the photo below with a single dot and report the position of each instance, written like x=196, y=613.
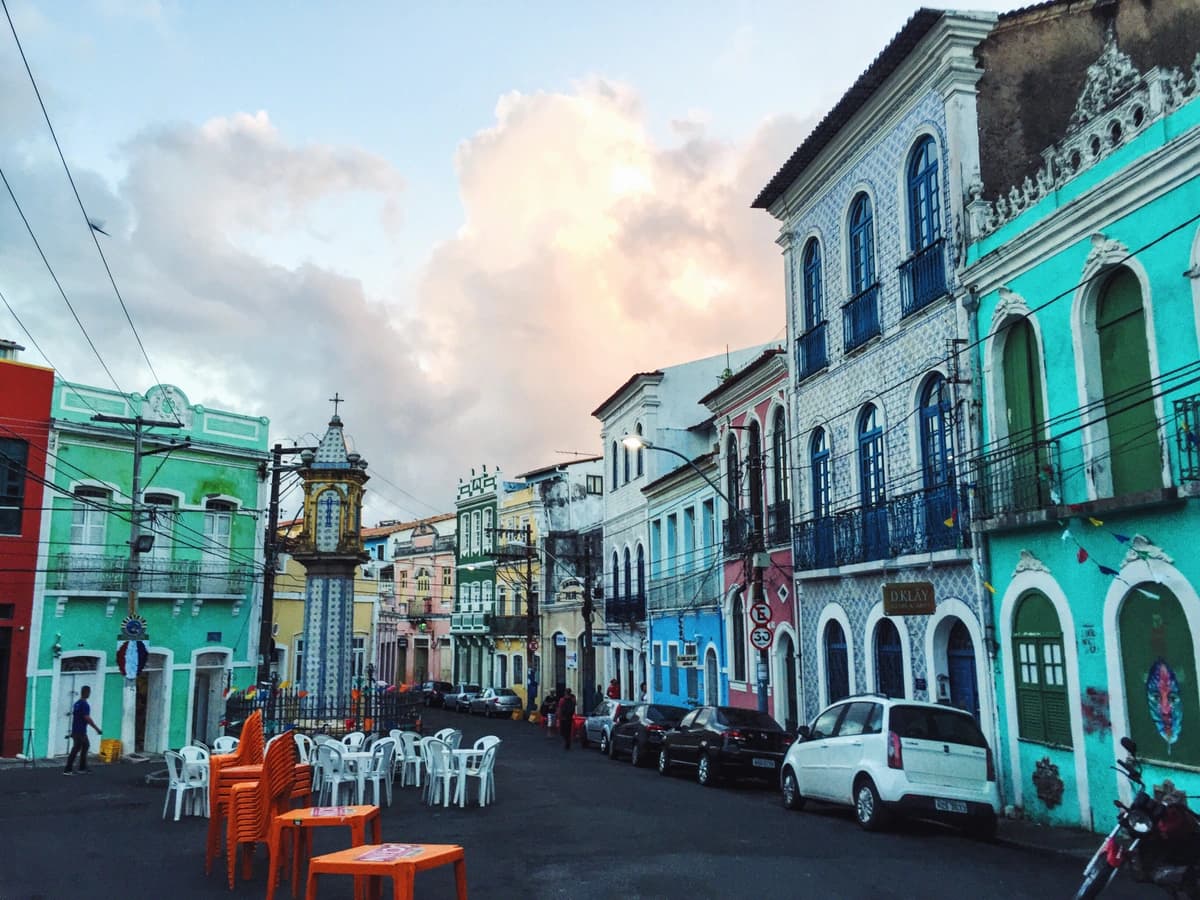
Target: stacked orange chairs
x=226, y=770
x=253, y=806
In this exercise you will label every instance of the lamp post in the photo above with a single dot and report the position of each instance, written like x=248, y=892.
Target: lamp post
x=753, y=554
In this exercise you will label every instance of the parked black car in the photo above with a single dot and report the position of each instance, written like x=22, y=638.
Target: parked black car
x=435, y=692
x=725, y=741
x=640, y=729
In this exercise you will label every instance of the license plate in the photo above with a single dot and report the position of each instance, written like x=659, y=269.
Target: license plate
x=954, y=806
x=765, y=763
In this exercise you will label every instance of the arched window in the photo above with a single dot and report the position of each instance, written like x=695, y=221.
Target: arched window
x=628, y=576
x=1134, y=454
x=625, y=456
x=733, y=475
x=837, y=663
x=616, y=576
x=924, y=208
x=1043, y=705
x=739, y=639
x=889, y=659
x=935, y=435
x=819, y=463
x=872, y=491
x=1024, y=419
x=641, y=572
x=639, y=465
x=779, y=458
x=755, y=459
x=614, y=467
x=862, y=245
x=813, y=307
x=1158, y=660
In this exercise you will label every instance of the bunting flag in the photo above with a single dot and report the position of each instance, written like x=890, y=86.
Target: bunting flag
x=284, y=685
x=1120, y=538
x=953, y=520
x=1105, y=570
x=1096, y=522
x=1081, y=555
x=1190, y=436
x=302, y=694
x=251, y=691
x=225, y=693
x=991, y=590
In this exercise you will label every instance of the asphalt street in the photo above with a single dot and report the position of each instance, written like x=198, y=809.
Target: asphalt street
x=566, y=824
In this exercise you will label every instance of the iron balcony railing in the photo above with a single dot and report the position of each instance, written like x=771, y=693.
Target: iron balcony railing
x=96, y=572
x=935, y=518
x=625, y=609
x=738, y=532
x=470, y=622
x=860, y=318
x=510, y=626
x=811, y=355
x=691, y=590
x=1187, y=437
x=923, y=278
x=419, y=609
x=1016, y=479
x=779, y=523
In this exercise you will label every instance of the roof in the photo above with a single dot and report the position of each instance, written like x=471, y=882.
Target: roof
x=554, y=467
x=744, y=372
x=686, y=469
x=619, y=391
x=887, y=62
x=385, y=530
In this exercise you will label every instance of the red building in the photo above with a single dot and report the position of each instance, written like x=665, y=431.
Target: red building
x=25, y=393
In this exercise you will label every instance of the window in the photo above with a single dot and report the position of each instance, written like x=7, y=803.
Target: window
x=616, y=576
x=595, y=484
x=708, y=529
x=359, y=645
x=501, y=600
x=924, y=213
x=628, y=575
x=88, y=515
x=464, y=533
x=1043, y=708
x=488, y=531
x=733, y=476
x=641, y=572
x=218, y=525
x=476, y=532
x=861, y=718
x=812, y=285
x=935, y=437
x=447, y=576
x=689, y=538
x=625, y=458
x=518, y=670
x=754, y=453
x=779, y=463
x=819, y=463
x=298, y=672
x=1024, y=421
x=402, y=579
x=826, y=723
x=673, y=668
x=889, y=660
x=739, y=640
x=14, y=454
x=658, y=668
x=502, y=670
x=656, y=549
x=640, y=462
x=672, y=558
x=870, y=457
x=614, y=465
x=862, y=245
x=837, y=667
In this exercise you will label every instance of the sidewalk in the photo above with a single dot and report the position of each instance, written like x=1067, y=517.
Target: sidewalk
x=1067, y=842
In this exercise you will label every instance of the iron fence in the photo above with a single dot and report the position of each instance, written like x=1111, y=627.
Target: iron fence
x=372, y=710
x=1187, y=437
x=738, y=532
x=1018, y=478
x=811, y=353
x=923, y=278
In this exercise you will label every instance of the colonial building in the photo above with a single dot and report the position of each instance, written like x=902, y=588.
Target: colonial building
x=751, y=415
x=198, y=584
x=470, y=623
x=1084, y=267
x=25, y=393
x=870, y=208
x=416, y=603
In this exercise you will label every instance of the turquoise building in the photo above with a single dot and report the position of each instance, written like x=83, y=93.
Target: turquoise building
x=1085, y=285
x=199, y=584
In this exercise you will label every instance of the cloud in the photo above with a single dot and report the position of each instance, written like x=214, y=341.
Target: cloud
x=587, y=251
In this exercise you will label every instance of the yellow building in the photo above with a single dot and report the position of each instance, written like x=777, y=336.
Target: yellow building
x=518, y=576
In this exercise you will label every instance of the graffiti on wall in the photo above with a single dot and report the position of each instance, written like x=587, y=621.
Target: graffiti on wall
x=1090, y=645
x=1048, y=783
x=1166, y=708
x=1095, y=711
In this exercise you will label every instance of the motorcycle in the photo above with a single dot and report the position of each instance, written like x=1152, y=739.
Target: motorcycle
x=1156, y=839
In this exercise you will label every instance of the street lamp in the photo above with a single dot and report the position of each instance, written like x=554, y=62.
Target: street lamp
x=636, y=441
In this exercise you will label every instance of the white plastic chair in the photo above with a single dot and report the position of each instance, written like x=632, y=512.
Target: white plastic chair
x=224, y=744
x=186, y=792
x=354, y=740
x=304, y=746
x=334, y=773
x=452, y=736
x=439, y=767
x=488, y=740
x=195, y=769
x=482, y=767
x=412, y=762
x=378, y=772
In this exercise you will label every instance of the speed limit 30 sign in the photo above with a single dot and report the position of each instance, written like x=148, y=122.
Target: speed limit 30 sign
x=760, y=637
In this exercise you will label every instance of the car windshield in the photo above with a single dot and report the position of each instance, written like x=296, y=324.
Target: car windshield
x=925, y=723
x=670, y=714
x=746, y=718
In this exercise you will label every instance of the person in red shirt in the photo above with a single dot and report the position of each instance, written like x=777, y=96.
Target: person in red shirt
x=614, y=690
x=565, y=716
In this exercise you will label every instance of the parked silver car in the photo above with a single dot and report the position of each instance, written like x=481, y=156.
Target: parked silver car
x=597, y=725
x=495, y=702
x=460, y=699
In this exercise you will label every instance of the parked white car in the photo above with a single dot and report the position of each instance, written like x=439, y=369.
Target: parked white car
x=885, y=756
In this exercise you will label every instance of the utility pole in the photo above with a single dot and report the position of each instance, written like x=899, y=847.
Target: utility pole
x=531, y=613
x=756, y=559
x=133, y=629
x=589, y=649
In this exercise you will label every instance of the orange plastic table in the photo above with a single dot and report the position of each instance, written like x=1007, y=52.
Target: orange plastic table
x=295, y=826
x=400, y=862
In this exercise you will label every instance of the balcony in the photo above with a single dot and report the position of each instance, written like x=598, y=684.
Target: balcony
x=811, y=355
x=779, y=523
x=923, y=278
x=419, y=609
x=510, y=626
x=737, y=532
x=1187, y=437
x=693, y=590
x=860, y=318
x=470, y=623
x=1017, y=479
x=625, y=609
x=923, y=521
x=94, y=572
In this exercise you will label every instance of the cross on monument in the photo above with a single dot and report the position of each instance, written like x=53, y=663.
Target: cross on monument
x=335, y=400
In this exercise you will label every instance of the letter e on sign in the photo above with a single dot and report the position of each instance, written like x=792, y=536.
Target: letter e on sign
x=760, y=613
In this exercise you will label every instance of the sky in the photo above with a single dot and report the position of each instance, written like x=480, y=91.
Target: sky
x=474, y=221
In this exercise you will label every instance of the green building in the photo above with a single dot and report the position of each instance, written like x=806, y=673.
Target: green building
x=198, y=586
x=470, y=622
x=1086, y=285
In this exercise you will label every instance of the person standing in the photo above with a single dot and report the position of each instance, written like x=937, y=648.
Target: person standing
x=614, y=690
x=565, y=714
x=81, y=718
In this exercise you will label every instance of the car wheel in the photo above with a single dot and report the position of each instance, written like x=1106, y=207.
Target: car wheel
x=664, y=762
x=868, y=808
x=706, y=770
x=635, y=754
x=606, y=745
x=792, y=798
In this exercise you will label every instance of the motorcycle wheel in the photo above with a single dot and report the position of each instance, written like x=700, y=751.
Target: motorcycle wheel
x=1095, y=880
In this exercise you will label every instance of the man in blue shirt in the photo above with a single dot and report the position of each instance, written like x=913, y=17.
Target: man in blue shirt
x=81, y=718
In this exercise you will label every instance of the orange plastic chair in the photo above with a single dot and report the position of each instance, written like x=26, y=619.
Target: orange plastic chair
x=400, y=862
x=226, y=770
x=253, y=806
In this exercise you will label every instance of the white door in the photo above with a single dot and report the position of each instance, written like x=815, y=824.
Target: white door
x=74, y=673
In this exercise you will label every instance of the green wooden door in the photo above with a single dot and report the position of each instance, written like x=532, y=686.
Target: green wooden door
x=1134, y=455
x=1022, y=474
